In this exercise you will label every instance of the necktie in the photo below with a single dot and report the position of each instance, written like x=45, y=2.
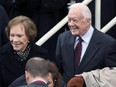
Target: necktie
x=77, y=52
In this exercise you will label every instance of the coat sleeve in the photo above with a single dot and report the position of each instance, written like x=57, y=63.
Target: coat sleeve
x=58, y=55
x=110, y=59
x=100, y=78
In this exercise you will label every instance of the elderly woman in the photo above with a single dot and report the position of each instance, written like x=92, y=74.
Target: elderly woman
x=21, y=32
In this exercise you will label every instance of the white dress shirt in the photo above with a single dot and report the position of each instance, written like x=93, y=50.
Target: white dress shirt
x=86, y=39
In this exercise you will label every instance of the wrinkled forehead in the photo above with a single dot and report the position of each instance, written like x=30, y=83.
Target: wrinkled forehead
x=73, y=12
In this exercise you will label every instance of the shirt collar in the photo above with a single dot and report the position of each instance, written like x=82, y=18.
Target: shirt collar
x=88, y=35
x=39, y=79
x=86, y=38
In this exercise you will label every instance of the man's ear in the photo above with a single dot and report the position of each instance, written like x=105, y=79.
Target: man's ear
x=27, y=77
x=88, y=21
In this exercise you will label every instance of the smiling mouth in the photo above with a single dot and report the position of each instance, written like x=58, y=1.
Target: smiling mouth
x=16, y=45
x=74, y=28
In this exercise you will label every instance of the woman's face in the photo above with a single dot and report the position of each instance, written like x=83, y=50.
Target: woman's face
x=18, y=38
x=50, y=79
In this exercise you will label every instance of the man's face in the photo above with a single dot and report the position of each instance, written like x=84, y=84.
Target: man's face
x=18, y=38
x=76, y=22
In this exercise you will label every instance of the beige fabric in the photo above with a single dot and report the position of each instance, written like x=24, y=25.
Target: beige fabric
x=100, y=78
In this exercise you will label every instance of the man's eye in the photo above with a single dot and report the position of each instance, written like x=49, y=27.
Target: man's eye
x=11, y=35
x=75, y=20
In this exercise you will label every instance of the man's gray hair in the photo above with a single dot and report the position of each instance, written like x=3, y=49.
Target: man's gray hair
x=85, y=10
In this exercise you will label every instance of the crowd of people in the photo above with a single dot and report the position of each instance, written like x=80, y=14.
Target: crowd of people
x=25, y=64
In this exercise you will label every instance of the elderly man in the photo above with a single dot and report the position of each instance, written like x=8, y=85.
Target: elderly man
x=83, y=48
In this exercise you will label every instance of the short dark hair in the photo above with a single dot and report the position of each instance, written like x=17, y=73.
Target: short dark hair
x=37, y=66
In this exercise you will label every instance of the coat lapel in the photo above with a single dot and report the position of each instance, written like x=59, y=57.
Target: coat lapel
x=92, y=49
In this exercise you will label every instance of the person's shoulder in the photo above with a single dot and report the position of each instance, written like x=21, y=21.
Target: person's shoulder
x=18, y=82
x=24, y=86
x=103, y=36
x=5, y=48
x=38, y=48
x=6, y=52
x=65, y=34
x=35, y=84
x=1, y=7
x=39, y=51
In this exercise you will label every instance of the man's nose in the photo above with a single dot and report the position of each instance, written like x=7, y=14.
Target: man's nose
x=70, y=23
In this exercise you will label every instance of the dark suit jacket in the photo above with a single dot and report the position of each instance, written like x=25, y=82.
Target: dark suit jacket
x=3, y=22
x=99, y=54
x=19, y=82
x=36, y=84
x=22, y=81
x=10, y=67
